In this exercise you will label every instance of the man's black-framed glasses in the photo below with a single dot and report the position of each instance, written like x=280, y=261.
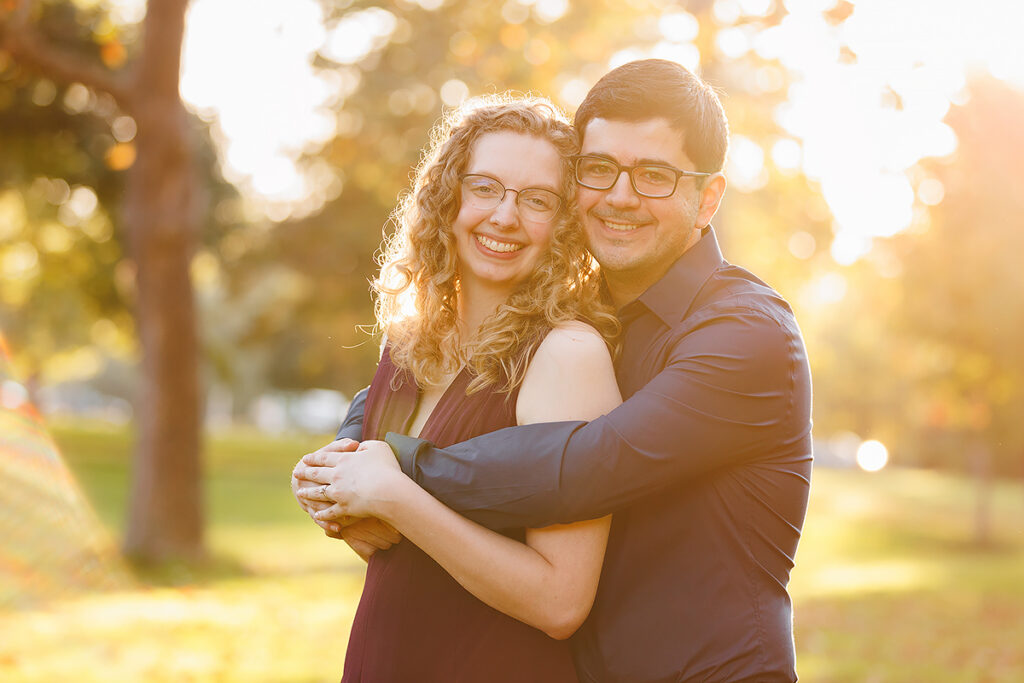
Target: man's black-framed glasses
x=648, y=180
x=484, y=192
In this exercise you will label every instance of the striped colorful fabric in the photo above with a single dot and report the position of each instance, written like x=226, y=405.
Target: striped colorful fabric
x=51, y=543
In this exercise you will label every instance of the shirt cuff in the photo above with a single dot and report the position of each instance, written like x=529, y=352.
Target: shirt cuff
x=405, y=448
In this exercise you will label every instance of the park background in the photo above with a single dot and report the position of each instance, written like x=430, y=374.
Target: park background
x=191, y=196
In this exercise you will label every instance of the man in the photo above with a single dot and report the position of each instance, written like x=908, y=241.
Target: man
x=706, y=465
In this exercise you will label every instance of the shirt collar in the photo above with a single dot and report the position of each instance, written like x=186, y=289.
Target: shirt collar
x=670, y=297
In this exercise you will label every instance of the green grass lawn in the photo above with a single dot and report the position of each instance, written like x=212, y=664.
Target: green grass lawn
x=888, y=585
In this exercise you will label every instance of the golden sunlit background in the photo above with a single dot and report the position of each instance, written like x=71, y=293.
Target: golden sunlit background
x=191, y=195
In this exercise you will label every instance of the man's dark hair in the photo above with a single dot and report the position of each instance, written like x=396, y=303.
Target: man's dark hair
x=658, y=88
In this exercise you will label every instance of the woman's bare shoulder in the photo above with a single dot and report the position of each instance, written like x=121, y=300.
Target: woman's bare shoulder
x=573, y=337
x=571, y=377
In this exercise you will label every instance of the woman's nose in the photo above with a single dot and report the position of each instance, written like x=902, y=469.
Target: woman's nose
x=506, y=214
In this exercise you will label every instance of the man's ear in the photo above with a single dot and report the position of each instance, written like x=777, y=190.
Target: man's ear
x=710, y=198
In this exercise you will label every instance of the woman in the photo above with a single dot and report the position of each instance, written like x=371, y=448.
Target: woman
x=481, y=297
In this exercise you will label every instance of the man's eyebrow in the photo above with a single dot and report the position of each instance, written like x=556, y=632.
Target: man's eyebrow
x=646, y=161
x=654, y=162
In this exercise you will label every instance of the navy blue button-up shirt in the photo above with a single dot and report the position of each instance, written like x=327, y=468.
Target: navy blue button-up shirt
x=706, y=466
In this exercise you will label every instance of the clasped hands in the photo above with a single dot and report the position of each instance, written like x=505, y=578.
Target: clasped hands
x=342, y=485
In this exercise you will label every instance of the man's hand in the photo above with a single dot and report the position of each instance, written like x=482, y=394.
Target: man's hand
x=367, y=535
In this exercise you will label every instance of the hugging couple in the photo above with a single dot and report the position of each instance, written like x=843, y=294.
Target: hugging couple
x=566, y=470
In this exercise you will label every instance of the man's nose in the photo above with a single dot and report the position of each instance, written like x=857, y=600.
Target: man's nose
x=621, y=193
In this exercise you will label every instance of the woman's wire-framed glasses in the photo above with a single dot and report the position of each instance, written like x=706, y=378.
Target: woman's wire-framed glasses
x=485, y=192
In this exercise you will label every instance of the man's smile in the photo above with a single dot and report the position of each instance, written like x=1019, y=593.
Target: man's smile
x=620, y=223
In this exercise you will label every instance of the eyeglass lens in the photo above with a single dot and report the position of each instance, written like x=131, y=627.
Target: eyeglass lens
x=601, y=174
x=484, y=192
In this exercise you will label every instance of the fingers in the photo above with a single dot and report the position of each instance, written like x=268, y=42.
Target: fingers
x=328, y=455
x=312, y=474
x=332, y=530
x=307, y=506
x=316, y=493
x=371, y=531
x=300, y=485
x=335, y=513
x=363, y=550
x=321, y=458
x=384, y=531
x=325, y=457
x=312, y=506
x=368, y=532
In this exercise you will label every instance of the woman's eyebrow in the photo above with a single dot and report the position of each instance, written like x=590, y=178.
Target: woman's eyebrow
x=536, y=186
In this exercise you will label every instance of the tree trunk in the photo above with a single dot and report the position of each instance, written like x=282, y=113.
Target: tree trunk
x=161, y=220
x=980, y=457
x=165, y=515
x=162, y=215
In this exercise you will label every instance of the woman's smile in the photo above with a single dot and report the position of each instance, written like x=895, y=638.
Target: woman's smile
x=497, y=246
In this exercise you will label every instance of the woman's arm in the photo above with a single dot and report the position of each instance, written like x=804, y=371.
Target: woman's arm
x=550, y=581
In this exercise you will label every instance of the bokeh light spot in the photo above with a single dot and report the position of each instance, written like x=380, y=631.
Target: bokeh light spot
x=931, y=191
x=515, y=12
x=454, y=92
x=77, y=98
x=787, y=155
x=757, y=8
x=462, y=44
x=537, y=52
x=745, y=166
x=124, y=129
x=732, y=43
x=802, y=245
x=726, y=12
x=872, y=455
x=44, y=93
x=679, y=27
x=120, y=156
x=548, y=11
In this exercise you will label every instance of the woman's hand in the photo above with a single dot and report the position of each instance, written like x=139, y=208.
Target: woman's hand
x=359, y=483
x=312, y=506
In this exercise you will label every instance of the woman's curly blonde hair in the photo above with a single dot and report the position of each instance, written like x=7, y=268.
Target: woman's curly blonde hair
x=418, y=286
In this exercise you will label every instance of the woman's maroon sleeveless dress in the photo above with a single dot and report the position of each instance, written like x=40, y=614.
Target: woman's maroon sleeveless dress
x=415, y=623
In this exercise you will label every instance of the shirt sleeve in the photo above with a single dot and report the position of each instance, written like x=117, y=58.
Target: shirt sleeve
x=352, y=425
x=735, y=388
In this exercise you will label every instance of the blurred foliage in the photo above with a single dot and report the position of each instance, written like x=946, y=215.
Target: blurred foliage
x=915, y=344
x=963, y=285
x=924, y=349
x=67, y=287
x=57, y=192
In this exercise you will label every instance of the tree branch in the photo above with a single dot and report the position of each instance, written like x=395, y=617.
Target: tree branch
x=30, y=50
